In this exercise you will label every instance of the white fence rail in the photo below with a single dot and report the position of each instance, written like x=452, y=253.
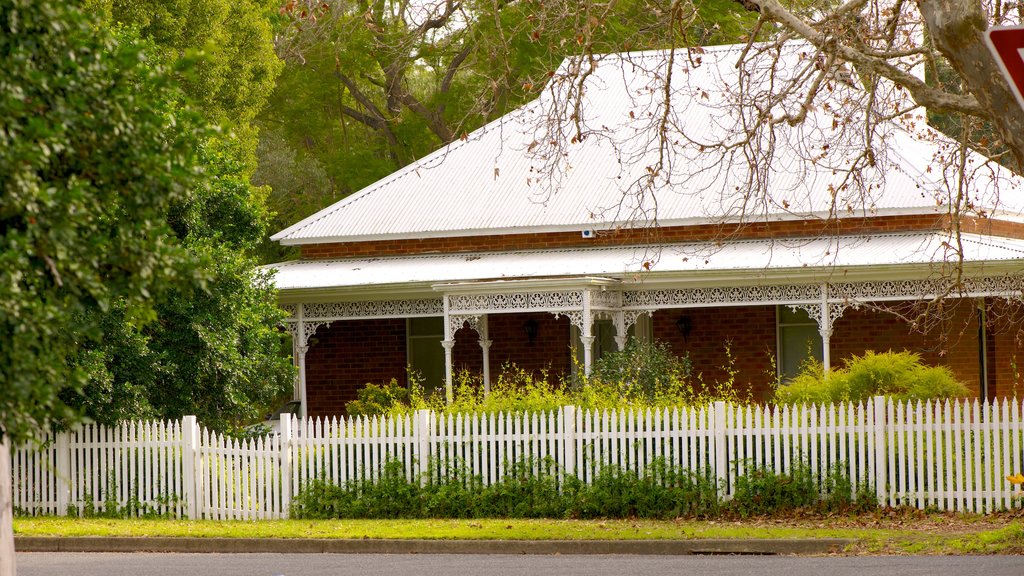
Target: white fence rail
x=949, y=455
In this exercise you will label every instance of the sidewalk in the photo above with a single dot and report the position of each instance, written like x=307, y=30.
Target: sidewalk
x=381, y=546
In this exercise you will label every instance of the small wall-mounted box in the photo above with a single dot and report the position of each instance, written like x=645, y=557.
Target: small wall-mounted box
x=587, y=233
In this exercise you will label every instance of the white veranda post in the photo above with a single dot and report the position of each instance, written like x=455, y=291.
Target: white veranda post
x=485, y=349
x=587, y=334
x=448, y=343
x=825, y=329
x=300, y=347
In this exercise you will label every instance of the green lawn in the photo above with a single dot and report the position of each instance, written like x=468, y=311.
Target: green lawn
x=933, y=535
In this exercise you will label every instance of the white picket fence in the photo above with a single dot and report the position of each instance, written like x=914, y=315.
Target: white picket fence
x=947, y=456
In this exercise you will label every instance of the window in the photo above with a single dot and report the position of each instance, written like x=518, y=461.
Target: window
x=425, y=353
x=798, y=339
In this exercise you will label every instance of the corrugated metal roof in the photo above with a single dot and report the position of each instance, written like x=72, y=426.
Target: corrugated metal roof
x=834, y=254
x=496, y=181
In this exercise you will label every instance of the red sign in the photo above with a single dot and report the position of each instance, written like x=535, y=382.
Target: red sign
x=1007, y=45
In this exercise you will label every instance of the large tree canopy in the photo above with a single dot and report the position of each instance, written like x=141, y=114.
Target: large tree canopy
x=214, y=349
x=92, y=158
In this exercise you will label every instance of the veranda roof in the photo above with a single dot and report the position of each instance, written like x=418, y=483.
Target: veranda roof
x=496, y=180
x=835, y=257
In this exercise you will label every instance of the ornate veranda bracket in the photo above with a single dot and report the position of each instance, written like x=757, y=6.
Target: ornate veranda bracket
x=576, y=318
x=835, y=311
x=458, y=321
x=308, y=331
x=629, y=318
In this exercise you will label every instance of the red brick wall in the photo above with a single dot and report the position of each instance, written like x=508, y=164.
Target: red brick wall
x=348, y=355
x=549, y=352
x=751, y=332
x=748, y=331
x=952, y=342
x=1005, y=331
x=784, y=229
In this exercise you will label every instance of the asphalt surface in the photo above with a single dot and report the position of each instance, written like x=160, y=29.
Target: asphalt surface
x=108, y=564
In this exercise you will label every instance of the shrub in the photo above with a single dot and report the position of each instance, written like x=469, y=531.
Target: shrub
x=642, y=371
x=661, y=491
x=762, y=492
x=375, y=400
x=900, y=375
x=537, y=488
x=640, y=376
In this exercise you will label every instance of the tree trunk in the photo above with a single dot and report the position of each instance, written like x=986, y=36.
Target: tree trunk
x=6, y=512
x=958, y=29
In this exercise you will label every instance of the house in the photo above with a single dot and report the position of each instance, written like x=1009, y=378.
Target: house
x=557, y=231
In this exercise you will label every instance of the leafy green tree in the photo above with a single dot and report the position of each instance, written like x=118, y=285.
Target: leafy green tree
x=91, y=160
x=231, y=44
x=215, y=350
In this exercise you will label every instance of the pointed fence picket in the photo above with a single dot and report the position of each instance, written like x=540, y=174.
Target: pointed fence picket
x=947, y=455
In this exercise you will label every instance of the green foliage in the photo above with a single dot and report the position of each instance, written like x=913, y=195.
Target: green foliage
x=643, y=371
x=92, y=157
x=230, y=43
x=132, y=508
x=661, y=491
x=761, y=492
x=900, y=375
x=642, y=376
x=384, y=399
x=214, y=349
x=532, y=488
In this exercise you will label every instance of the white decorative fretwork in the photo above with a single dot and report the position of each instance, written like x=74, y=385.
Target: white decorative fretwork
x=606, y=299
x=835, y=311
x=679, y=297
x=309, y=329
x=373, y=309
x=575, y=318
x=457, y=321
x=926, y=288
x=312, y=327
x=516, y=301
x=629, y=318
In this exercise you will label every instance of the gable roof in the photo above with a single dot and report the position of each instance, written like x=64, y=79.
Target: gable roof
x=515, y=176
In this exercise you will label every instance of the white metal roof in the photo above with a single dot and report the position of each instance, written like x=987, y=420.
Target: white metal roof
x=759, y=258
x=496, y=180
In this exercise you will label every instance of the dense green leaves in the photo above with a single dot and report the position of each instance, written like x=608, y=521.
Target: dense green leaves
x=126, y=224
x=91, y=158
x=215, y=349
x=901, y=375
x=230, y=42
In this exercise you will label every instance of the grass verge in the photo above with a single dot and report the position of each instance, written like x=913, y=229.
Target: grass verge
x=928, y=534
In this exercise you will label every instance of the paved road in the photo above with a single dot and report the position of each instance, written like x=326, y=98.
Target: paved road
x=96, y=564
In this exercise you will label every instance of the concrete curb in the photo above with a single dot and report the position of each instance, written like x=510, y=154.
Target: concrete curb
x=370, y=546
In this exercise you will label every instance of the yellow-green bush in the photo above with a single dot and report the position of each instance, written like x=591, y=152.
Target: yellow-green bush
x=640, y=376
x=900, y=375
